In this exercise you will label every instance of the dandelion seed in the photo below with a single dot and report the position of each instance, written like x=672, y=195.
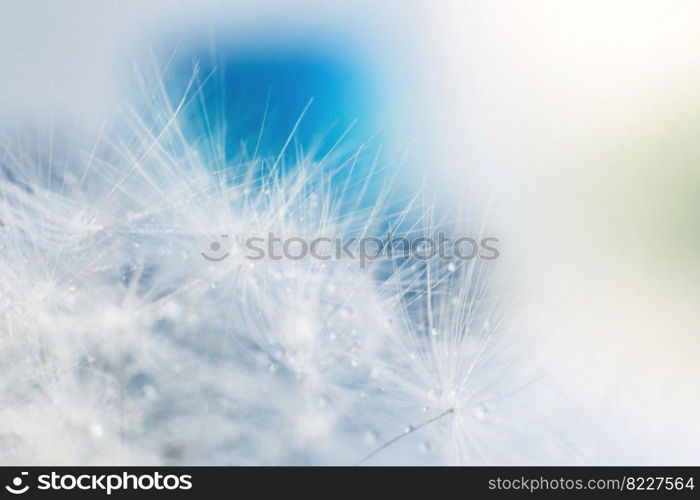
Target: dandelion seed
x=108, y=313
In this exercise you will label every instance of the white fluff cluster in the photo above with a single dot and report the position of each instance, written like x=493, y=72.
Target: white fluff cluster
x=120, y=344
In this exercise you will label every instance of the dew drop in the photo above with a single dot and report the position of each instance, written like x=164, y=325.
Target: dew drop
x=435, y=393
x=95, y=430
x=371, y=437
x=150, y=392
x=322, y=403
x=480, y=412
x=425, y=447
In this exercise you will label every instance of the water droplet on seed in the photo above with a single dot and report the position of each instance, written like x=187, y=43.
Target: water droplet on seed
x=371, y=437
x=425, y=447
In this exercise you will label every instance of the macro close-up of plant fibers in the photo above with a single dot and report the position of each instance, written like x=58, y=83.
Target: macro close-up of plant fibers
x=349, y=233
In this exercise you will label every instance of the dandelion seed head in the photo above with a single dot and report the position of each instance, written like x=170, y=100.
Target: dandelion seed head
x=121, y=343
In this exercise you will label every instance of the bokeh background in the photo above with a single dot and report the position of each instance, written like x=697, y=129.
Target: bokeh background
x=575, y=122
